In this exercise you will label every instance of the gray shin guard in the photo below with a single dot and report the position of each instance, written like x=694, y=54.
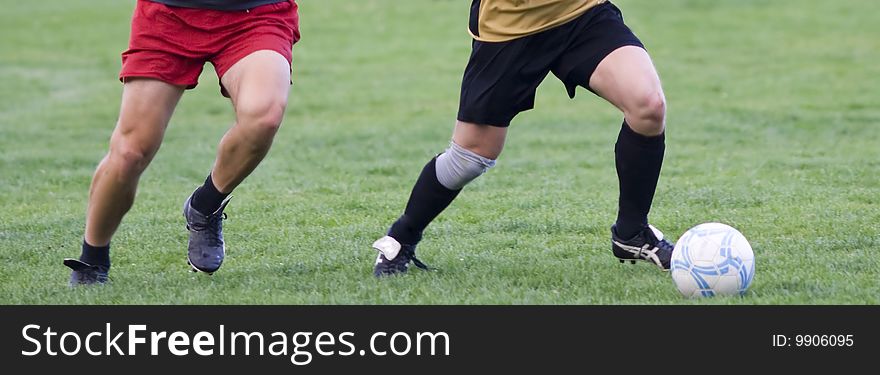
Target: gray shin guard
x=458, y=166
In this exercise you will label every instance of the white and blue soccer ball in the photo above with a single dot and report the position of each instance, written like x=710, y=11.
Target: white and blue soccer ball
x=712, y=259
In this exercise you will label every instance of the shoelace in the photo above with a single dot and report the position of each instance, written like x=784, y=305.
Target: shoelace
x=419, y=264
x=666, y=248
x=405, y=256
x=211, y=222
x=411, y=256
x=665, y=245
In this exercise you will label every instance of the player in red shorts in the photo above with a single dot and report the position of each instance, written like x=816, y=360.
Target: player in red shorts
x=249, y=43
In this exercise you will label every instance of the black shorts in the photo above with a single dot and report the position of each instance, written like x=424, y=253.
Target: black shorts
x=501, y=77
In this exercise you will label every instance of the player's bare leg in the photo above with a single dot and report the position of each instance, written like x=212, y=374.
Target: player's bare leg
x=627, y=79
x=147, y=105
x=484, y=140
x=258, y=85
x=473, y=150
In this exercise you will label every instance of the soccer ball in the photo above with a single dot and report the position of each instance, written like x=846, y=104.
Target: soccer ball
x=712, y=259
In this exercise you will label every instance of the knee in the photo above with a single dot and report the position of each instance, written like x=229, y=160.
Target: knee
x=648, y=116
x=458, y=166
x=264, y=117
x=129, y=159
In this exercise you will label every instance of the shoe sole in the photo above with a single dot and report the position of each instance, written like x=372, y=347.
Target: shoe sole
x=633, y=261
x=195, y=269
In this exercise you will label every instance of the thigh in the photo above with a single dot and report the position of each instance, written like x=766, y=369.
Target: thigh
x=272, y=27
x=258, y=83
x=626, y=77
x=147, y=106
x=599, y=35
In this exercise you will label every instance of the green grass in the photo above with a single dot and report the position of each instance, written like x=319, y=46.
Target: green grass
x=773, y=116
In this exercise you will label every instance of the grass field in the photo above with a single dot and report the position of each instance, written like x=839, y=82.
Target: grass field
x=774, y=111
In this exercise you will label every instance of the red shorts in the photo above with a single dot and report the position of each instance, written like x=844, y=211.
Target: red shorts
x=172, y=44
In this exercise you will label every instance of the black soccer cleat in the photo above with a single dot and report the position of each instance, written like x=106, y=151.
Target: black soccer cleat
x=86, y=274
x=648, y=245
x=394, y=258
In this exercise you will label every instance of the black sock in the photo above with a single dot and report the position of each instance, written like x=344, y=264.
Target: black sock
x=207, y=198
x=428, y=199
x=638, y=159
x=95, y=255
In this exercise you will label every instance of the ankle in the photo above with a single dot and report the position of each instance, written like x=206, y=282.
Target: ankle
x=207, y=199
x=95, y=255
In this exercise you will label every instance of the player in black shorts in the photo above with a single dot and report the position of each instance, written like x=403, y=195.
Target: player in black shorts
x=516, y=44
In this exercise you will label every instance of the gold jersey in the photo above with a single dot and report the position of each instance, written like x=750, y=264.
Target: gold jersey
x=503, y=20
